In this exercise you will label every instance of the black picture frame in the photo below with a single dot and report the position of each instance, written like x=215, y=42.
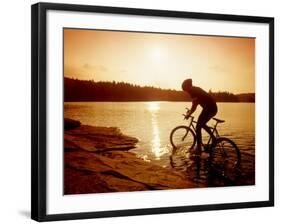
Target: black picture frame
x=39, y=122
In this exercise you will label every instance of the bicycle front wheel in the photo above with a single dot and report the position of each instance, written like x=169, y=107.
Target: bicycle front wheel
x=225, y=158
x=182, y=137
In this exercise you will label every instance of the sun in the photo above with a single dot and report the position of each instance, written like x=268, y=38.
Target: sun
x=157, y=54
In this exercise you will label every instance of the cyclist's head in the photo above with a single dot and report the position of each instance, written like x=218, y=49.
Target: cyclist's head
x=186, y=84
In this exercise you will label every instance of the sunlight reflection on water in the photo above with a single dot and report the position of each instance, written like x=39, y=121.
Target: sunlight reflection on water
x=156, y=148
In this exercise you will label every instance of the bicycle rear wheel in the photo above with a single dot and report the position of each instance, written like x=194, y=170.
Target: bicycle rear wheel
x=225, y=159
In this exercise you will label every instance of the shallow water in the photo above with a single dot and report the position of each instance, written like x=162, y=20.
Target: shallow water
x=152, y=122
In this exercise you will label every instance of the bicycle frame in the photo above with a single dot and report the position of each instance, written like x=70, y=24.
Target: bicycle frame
x=214, y=132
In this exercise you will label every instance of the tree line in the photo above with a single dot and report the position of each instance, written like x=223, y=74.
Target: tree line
x=89, y=90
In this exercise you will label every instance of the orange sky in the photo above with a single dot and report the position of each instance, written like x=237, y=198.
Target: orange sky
x=161, y=60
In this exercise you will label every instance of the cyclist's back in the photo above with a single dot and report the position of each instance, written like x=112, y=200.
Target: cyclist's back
x=203, y=98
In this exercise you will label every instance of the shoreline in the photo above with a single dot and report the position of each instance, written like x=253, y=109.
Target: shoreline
x=98, y=160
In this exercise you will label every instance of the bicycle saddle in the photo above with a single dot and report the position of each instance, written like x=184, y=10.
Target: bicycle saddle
x=218, y=120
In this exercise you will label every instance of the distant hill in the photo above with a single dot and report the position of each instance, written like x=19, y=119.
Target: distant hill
x=76, y=90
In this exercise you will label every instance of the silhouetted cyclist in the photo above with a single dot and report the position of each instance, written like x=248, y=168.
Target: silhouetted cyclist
x=205, y=100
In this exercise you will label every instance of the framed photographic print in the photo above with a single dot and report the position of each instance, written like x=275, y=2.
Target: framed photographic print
x=140, y=111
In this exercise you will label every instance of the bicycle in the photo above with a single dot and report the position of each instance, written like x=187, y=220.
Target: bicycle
x=224, y=155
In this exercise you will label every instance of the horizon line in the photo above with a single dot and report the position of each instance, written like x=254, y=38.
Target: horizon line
x=153, y=86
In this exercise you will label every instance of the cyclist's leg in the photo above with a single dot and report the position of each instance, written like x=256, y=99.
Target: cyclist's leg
x=208, y=130
x=211, y=113
x=204, y=117
x=210, y=133
x=200, y=123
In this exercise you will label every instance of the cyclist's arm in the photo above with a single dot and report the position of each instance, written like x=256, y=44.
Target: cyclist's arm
x=193, y=107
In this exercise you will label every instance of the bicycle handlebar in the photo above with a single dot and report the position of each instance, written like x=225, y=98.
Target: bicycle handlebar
x=186, y=118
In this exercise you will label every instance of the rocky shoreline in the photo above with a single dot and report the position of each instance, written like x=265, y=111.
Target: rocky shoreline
x=97, y=160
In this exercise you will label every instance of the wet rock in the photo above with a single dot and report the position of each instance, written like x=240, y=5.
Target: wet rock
x=96, y=139
x=70, y=124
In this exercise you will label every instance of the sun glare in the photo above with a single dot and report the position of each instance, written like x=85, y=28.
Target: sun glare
x=158, y=151
x=157, y=54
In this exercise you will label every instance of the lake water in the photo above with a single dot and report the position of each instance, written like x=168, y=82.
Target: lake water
x=152, y=122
